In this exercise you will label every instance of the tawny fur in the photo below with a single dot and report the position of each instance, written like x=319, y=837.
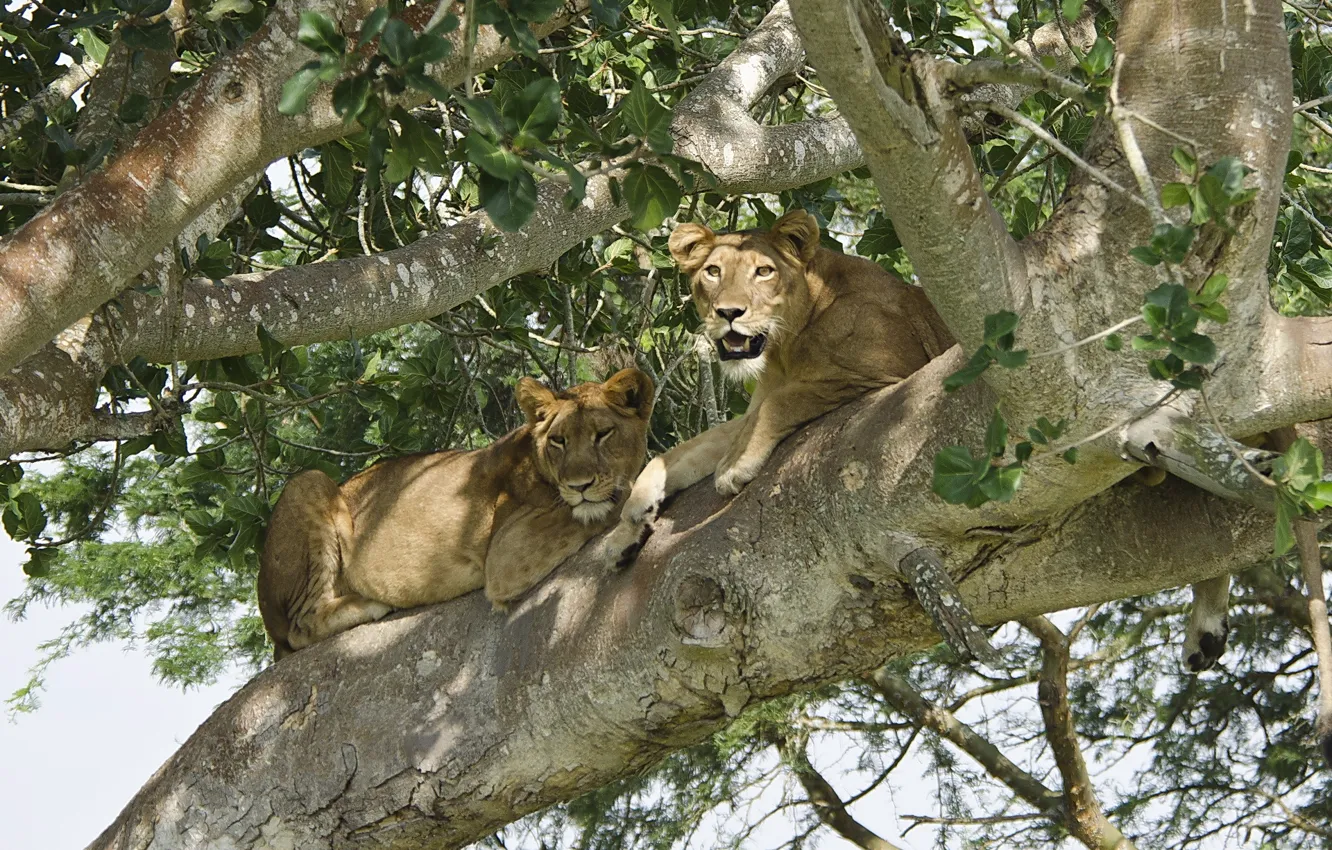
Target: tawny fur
x=836, y=327
x=427, y=528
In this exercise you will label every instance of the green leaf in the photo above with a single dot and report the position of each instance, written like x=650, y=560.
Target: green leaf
x=1212, y=289
x=956, y=474
x=1037, y=436
x=350, y=97
x=534, y=11
x=652, y=195
x=1071, y=9
x=24, y=518
x=270, y=347
x=996, y=435
x=879, y=238
x=535, y=111
x=318, y=32
x=607, y=11
x=1114, y=342
x=1174, y=195
x=297, y=89
x=1185, y=161
x=397, y=42
x=1172, y=241
x=1286, y=512
x=1000, y=485
x=1098, y=59
x=490, y=157
x=221, y=8
x=509, y=203
x=980, y=361
x=1070, y=456
x=1147, y=342
x=1022, y=451
x=999, y=325
x=1145, y=255
x=372, y=26
x=40, y=560
x=1011, y=359
x=10, y=473
x=1300, y=466
x=1194, y=348
x=646, y=118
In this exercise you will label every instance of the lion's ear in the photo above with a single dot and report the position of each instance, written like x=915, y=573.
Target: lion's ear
x=690, y=246
x=632, y=390
x=800, y=230
x=533, y=397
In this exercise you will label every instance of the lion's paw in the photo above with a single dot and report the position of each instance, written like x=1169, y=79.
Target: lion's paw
x=624, y=542
x=732, y=478
x=1205, y=643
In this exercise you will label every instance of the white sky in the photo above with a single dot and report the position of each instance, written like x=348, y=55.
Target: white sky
x=105, y=725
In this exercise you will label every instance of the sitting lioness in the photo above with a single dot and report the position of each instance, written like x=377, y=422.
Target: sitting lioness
x=427, y=528
x=817, y=328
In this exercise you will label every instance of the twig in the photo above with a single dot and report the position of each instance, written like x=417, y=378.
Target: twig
x=1032, y=127
x=62, y=88
x=1132, y=153
x=1098, y=335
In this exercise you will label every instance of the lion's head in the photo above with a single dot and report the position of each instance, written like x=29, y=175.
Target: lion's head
x=590, y=440
x=749, y=287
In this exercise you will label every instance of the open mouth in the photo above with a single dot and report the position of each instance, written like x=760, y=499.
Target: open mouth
x=737, y=346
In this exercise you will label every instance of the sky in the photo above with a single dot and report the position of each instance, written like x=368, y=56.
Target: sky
x=104, y=726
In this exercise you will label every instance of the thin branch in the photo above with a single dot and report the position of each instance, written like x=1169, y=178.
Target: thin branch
x=823, y=797
x=1086, y=820
x=908, y=701
x=61, y=89
x=1064, y=150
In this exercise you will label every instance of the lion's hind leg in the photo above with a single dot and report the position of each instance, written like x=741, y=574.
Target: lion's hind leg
x=333, y=615
x=302, y=596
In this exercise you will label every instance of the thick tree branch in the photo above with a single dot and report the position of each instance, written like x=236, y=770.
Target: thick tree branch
x=1086, y=820
x=80, y=251
x=713, y=124
x=915, y=147
x=439, y=725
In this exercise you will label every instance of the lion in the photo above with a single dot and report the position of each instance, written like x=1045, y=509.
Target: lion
x=430, y=527
x=815, y=327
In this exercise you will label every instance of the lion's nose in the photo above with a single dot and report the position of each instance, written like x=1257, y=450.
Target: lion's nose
x=580, y=486
x=730, y=314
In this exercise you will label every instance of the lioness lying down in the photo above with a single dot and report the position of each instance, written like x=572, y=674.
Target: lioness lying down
x=817, y=328
x=426, y=528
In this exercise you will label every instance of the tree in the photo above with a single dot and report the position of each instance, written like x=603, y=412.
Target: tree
x=489, y=202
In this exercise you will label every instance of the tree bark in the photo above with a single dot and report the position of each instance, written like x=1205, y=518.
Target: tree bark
x=438, y=726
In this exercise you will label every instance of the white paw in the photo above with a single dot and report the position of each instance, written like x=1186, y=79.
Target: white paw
x=621, y=546
x=1205, y=642
x=732, y=479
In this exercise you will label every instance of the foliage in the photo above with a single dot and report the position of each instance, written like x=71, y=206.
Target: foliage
x=157, y=534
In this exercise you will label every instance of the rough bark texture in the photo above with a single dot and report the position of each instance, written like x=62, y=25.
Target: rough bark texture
x=437, y=726
x=80, y=251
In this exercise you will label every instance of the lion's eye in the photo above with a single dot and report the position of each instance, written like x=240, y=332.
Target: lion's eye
x=602, y=435
x=557, y=442
x=764, y=271
x=713, y=271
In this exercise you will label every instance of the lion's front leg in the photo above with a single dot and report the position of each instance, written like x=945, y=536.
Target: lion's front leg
x=777, y=416
x=666, y=474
